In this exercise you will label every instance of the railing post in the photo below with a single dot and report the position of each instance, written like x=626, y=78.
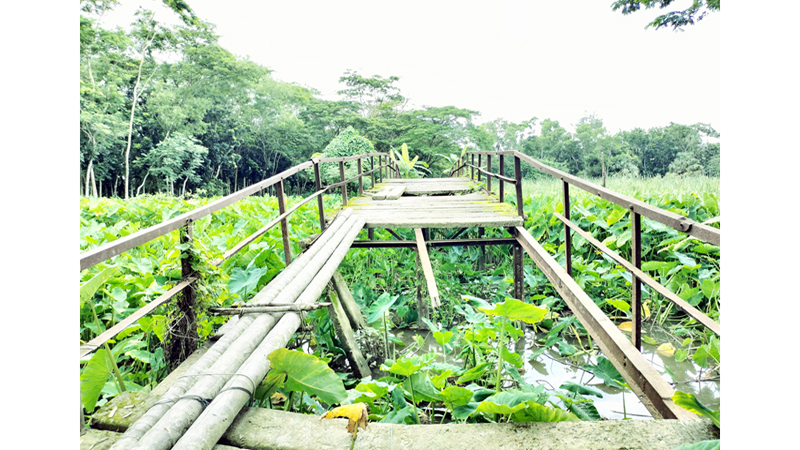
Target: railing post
x=518, y=186
x=472, y=169
x=489, y=177
x=344, y=186
x=360, y=180
x=320, y=206
x=479, y=164
x=567, y=231
x=182, y=336
x=380, y=169
x=502, y=173
x=636, y=294
x=372, y=171
x=519, y=274
x=287, y=249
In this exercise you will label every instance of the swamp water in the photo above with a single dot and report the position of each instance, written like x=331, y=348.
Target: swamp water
x=553, y=370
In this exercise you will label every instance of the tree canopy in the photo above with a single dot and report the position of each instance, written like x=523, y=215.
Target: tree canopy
x=675, y=19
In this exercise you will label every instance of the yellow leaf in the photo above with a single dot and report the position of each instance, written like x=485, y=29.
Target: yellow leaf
x=627, y=327
x=356, y=413
x=277, y=398
x=666, y=349
x=405, y=152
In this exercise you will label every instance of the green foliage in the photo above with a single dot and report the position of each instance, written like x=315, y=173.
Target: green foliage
x=690, y=403
x=298, y=371
x=348, y=143
x=675, y=19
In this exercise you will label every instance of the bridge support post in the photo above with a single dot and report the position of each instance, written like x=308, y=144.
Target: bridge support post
x=181, y=340
x=287, y=249
x=567, y=231
x=500, y=180
x=636, y=284
x=519, y=273
x=320, y=206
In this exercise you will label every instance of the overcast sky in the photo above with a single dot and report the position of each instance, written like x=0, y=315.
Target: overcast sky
x=506, y=59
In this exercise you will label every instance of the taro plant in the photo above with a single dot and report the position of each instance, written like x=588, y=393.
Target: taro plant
x=408, y=167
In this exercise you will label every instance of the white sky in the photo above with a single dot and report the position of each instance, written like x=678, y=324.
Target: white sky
x=511, y=59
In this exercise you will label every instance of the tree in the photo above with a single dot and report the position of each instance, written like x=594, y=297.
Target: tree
x=674, y=19
x=375, y=96
x=175, y=158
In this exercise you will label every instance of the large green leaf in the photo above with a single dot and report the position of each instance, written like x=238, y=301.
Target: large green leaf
x=606, y=371
x=506, y=402
x=513, y=309
x=94, y=377
x=381, y=305
x=702, y=445
x=96, y=282
x=244, y=281
x=581, y=389
x=473, y=373
x=456, y=395
x=534, y=412
x=309, y=374
x=408, y=366
x=690, y=402
x=424, y=390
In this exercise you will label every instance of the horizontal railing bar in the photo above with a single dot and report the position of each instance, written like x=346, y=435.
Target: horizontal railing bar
x=95, y=343
x=646, y=279
x=671, y=219
x=248, y=240
x=437, y=243
x=644, y=380
x=349, y=158
x=495, y=175
x=123, y=244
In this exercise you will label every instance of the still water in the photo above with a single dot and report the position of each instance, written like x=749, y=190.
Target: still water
x=552, y=370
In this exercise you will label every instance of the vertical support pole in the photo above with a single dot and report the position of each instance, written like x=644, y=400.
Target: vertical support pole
x=372, y=170
x=287, y=249
x=518, y=186
x=502, y=173
x=380, y=169
x=489, y=177
x=182, y=339
x=479, y=164
x=344, y=186
x=482, y=256
x=519, y=274
x=636, y=297
x=320, y=206
x=472, y=169
x=567, y=231
x=360, y=180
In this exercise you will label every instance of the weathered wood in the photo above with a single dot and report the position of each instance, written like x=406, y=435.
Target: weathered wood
x=434, y=243
x=389, y=193
x=341, y=324
x=646, y=279
x=427, y=269
x=349, y=304
x=287, y=248
x=655, y=393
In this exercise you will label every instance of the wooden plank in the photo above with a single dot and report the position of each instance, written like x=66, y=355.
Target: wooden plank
x=344, y=331
x=357, y=321
x=644, y=380
x=395, y=193
x=425, y=260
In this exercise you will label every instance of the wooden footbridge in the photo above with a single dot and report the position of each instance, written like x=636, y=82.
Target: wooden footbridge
x=216, y=382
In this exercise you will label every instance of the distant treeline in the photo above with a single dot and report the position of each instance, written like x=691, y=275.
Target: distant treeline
x=170, y=110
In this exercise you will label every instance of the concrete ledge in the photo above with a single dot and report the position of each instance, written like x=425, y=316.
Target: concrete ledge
x=272, y=429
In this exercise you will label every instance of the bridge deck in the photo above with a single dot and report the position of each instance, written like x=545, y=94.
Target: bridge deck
x=434, y=203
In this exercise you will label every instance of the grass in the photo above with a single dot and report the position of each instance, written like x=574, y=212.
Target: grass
x=637, y=187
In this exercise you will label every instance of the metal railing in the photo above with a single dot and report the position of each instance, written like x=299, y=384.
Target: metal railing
x=384, y=169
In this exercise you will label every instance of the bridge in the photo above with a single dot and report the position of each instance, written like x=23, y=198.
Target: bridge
x=202, y=404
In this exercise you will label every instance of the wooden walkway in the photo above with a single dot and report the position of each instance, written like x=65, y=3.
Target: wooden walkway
x=434, y=203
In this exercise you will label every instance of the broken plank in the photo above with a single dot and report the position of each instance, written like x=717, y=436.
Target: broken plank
x=427, y=269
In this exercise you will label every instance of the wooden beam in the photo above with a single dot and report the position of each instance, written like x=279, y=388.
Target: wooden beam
x=644, y=380
x=357, y=321
x=341, y=324
x=427, y=269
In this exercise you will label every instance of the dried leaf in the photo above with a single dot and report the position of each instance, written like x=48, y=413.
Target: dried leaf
x=666, y=349
x=357, y=413
x=627, y=327
x=277, y=398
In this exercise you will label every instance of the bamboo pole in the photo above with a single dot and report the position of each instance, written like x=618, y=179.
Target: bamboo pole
x=186, y=410
x=138, y=429
x=211, y=425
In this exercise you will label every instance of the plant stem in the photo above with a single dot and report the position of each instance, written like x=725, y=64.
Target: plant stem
x=500, y=354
